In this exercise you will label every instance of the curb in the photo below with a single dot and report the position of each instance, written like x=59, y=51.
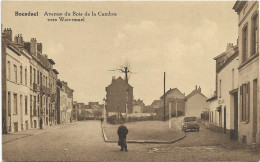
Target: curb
x=38, y=131
x=142, y=141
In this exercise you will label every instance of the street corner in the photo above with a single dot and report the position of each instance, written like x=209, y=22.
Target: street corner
x=154, y=132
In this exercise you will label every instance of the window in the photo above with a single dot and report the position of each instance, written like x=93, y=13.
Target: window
x=34, y=76
x=15, y=103
x=233, y=78
x=25, y=76
x=25, y=105
x=254, y=34
x=9, y=103
x=244, y=101
x=21, y=74
x=30, y=75
x=46, y=81
x=244, y=44
x=9, y=70
x=15, y=73
x=34, y=106
x=220, y=88
x=21, y=102
x=38, y=77
x=31, y=104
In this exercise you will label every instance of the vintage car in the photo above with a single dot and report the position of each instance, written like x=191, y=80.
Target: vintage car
x=190, y=123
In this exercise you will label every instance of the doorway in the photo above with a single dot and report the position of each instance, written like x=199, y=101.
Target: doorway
x=235, y=116
x=254, y=111
x=225, y=120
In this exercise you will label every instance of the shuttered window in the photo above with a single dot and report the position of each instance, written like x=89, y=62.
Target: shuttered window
x=245, y=102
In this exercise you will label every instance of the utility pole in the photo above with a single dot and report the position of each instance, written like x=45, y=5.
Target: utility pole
x=164, y=96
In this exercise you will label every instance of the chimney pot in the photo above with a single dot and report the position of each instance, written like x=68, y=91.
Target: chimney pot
x=8, y=33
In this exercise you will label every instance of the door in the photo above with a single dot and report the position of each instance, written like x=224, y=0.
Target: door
x=225, y=122
x=254, y=111
x=35, y=124
x=235, y=116
x=15, y=127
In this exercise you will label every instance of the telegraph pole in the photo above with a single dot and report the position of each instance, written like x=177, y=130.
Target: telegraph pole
x=164, y=96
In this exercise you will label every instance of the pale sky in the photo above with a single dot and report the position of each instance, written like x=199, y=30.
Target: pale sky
x=179, y=38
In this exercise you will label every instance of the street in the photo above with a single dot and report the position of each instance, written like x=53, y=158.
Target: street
x=83, y=141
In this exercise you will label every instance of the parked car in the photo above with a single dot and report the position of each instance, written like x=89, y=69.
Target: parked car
x=190, y=123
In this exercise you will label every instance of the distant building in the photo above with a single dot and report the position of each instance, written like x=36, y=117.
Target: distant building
x=176, y=98
x=248, y=72
x=65, y=102
x=195, y=103
x=156, y=104
x=116, y=97
x=80, y=111
x=149, y=109
x=138, y=106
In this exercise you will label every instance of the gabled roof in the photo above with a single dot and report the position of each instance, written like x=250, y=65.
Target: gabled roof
x=230, y=59
x=169, y=91
x=195, y=91
x=155, y=102
x=119, y=79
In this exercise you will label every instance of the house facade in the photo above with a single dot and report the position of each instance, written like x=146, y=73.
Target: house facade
x=16, y=87
x=138, y=106
x=223, y=110
x=195, y=103
x=176, y=98
x=64, y=102
x=29, y=84
x=118, y=95
x=248, y=72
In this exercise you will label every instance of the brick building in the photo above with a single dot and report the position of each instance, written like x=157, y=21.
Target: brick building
x=116, y=97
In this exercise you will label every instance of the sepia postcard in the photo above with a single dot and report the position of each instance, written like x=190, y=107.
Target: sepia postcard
x=130, y=81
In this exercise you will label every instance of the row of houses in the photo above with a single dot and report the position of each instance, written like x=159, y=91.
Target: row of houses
x=117, y=98
x=234, y=108
x=93, y=110
x=31, y=91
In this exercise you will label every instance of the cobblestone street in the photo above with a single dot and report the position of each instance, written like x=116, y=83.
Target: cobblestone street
x=83, y=141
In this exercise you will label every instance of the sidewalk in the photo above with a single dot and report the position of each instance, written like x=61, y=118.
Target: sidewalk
x=30, y=132
x=227, y=143
x=145, y=132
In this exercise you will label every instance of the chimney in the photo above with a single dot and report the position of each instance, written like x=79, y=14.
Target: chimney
x=196, y=87
x=229, y=46
x=113, y=78
x=20, y=39
x=39, y=47
x=199, y=89
x=33, y=47
x=8, y=33
x=16, y=39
